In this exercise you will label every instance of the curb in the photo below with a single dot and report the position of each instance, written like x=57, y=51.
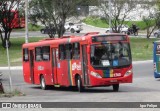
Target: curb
x=20, y=67
x=11, y=68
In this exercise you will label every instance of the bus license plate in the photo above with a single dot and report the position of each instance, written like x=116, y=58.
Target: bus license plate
x=113, y=80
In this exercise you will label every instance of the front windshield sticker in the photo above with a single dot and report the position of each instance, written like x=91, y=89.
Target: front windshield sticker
x=105, y=63
x=115, y=62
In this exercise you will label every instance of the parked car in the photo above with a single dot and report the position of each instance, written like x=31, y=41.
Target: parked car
x=47, y=30
x=123, y=29
x=73, y=27
x=157, y=33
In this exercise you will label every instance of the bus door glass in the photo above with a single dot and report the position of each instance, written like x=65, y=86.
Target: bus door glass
x=85, y=65
x=54, y=65
x=32, y=66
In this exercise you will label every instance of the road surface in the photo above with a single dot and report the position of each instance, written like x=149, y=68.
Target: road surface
x=85, y=30
x=143, y=89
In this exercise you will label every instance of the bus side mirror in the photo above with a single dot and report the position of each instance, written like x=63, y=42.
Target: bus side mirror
x=88, y=49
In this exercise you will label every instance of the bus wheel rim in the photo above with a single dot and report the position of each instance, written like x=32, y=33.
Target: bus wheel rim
x=78, y=84
x=43, y=84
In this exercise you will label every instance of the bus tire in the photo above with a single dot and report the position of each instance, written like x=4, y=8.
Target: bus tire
x=115, y=87
x=79, y=84
x=43, y=84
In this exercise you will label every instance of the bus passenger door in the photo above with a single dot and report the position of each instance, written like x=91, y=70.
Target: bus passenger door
x=31, y=66
x=54, y=66
x=85, y=65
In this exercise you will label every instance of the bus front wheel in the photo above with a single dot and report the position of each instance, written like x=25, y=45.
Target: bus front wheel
x=115, y=87
x=43, y=84
x=79, y=84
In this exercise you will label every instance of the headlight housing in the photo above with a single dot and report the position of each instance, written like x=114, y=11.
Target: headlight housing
x=128, y=72
x=95, y=74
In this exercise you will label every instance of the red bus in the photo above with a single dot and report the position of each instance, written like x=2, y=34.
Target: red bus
x=16, y=21
x=19, y=20
x=87, y=61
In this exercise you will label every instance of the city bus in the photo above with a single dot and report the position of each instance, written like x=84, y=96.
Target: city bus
x=91, y=60
x=156, y=58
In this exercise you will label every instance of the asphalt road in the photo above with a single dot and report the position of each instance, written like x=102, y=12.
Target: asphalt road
x=143, y=89
x=86, y=29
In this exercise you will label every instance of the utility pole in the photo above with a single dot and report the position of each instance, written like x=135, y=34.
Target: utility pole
x=26, y=21
x=110, y=16
x=10, y=78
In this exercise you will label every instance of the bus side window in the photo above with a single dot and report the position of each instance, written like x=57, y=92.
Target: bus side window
x=76, y=51
x=68, y=50
x=25, y=55
x=61, y=52
x=46, y=53
x=38, y=54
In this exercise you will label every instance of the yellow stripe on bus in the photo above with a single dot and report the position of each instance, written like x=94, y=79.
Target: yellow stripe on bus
x=71, y=72
x=111, y=73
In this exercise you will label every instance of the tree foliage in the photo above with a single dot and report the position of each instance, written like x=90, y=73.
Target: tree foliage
x=153, y=15
x=120, y=10
x=52, y=13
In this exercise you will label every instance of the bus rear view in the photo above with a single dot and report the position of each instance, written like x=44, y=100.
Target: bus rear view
x=156, y=59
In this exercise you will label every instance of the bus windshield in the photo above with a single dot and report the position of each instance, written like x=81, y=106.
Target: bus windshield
x=110, y=55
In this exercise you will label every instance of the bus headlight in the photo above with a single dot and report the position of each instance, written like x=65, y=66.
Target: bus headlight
x=128, y=72
x=95, y=74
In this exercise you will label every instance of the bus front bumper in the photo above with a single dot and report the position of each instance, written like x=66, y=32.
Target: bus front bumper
x=109, y=81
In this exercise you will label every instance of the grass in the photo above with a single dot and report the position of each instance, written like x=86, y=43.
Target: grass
x=15, y=92
x=98, y=22
x=140, y=24
x=14, y=51
x=141, y=50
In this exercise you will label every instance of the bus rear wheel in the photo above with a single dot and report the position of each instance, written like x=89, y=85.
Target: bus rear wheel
x=115, y=87
x=79, y=84
x=43, y=84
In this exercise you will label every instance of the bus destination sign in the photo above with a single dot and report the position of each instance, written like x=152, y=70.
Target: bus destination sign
x=109, y=38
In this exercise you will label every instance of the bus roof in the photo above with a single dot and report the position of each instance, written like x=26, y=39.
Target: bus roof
x=68, y=39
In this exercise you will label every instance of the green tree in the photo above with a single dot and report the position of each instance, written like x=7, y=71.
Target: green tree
x=120, y=10
x=52, y=13
x=152, y=20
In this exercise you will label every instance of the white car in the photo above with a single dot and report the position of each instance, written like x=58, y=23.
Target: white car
x=123, y=29
x=73, y=27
